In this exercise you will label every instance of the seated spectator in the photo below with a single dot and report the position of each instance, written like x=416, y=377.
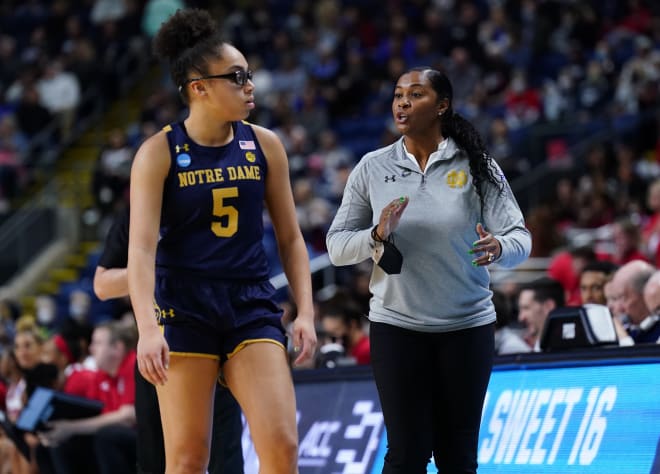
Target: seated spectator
x=111, y=176
x=31, y=116
x=651, y=325
x=27, y=354
x=104, y=443
x=535, y=301
x=77, y=323
x=593, y=278
x=11, y=159
x=626, y=238
x=651, y=227
x=45, y=309
x=59, y=91
x=63, y=352
x=507, y=339
x=10, y=375
x=631, y=279
x=9, y=312
x=343, y=324
x=566, y=266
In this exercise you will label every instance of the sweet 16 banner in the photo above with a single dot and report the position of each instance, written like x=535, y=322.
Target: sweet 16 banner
x=590, y=419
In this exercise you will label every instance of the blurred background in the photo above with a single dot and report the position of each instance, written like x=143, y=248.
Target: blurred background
x=565, y=93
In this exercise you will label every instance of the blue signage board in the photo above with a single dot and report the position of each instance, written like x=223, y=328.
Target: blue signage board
x=574, y=418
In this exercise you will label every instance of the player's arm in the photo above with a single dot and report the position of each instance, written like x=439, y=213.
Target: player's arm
x=290, y=242
x=148, y=174
x=110, y=282
x=111, y=276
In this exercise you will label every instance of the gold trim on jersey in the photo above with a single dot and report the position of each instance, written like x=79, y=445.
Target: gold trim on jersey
x=195, y=354
x=247, y=342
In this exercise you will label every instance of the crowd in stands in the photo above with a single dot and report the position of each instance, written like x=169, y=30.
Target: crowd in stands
x=60, y=62
x=631, y=292
x=536, y=78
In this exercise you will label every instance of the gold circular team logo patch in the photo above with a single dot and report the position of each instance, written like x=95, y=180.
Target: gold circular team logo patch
x=456, y=179
x=251, y=157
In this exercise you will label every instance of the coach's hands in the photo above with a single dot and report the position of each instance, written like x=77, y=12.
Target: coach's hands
x=153, y=355
x=304, y=338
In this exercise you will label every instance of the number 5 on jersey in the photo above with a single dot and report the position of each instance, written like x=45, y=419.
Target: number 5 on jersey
x=222, y=210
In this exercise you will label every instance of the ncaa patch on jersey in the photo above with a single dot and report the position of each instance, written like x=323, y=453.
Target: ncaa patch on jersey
x=251, y=157
x=183, y=160
x=247, y=145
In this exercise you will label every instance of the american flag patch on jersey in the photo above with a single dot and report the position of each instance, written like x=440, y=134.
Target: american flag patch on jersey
x=247, y=145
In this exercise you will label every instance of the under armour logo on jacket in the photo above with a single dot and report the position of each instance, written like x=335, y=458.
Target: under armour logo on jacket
x=390, y=178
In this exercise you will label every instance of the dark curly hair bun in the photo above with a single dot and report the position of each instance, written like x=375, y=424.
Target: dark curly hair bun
x=184, y=30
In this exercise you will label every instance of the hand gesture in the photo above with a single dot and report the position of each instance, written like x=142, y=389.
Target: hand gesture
x=487, y=248
x=390, y=216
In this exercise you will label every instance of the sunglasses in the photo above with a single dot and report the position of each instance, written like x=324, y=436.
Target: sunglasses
x=238, y=77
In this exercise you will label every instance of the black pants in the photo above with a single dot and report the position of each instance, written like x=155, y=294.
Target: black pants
x=110, y=450
x=431, y=388
x=226, y=454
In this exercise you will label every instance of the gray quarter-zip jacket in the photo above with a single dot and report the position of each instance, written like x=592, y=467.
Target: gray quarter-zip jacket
x=438, y=288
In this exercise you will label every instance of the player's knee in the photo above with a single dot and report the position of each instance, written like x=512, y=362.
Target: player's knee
x=285, y=458
x=189, y=459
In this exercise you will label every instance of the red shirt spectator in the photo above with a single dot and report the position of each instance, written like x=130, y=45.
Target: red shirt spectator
x=566, y=267
x=361, y=351
x=114, y=391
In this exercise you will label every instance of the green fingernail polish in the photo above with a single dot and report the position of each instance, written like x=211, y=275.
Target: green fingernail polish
x=474, y=263
x=470, y=251
x=474, y=244
x=402, y=199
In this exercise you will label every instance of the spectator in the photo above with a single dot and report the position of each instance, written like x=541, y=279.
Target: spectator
x=625, y=235
x=12, y=144
x=9, y=312
x=593, y=278
x=77, y=323
x=566, y=266
x=651, y=227
x=11, y=460
x=11, y=377
x=313, y=213
x=464, y=73
x=45, y=308
x=63, y=352
x=26, y=354
x=614, y=298
x=642, y=67
x=535, y=301
x=59, y=91
x=631, y=278
x=507, y=339
x=522, y=102
x=104, y=443
x=112, y=172
x=343, y=323
x=31, y=116
x=651, y=325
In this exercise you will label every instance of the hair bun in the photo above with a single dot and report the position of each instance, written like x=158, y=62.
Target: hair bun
x=184, y=30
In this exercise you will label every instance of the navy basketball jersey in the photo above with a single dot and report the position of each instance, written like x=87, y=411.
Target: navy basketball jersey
x=211, y=220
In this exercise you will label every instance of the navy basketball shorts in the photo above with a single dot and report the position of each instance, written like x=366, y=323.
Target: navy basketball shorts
x=201, y=317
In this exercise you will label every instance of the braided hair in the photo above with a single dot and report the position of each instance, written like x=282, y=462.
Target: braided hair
x=482, y=167
x=188, y=41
